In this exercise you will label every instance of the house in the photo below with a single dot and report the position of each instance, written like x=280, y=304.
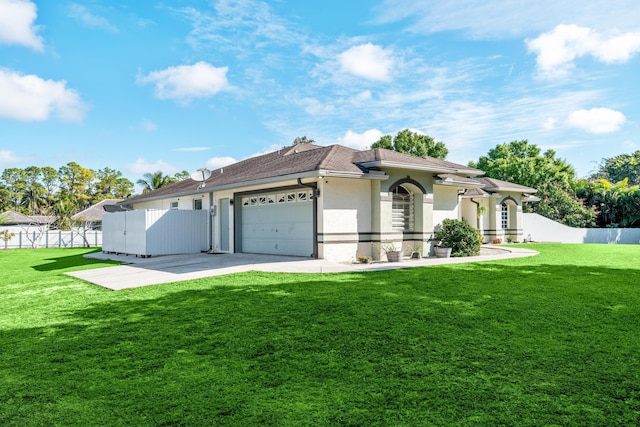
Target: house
x=336, y=203
x=15, y=221
x=91, y=217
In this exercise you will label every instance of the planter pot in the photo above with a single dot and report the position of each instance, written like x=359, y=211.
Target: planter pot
x=394, y=256
x=416, y=255
x=442, y=252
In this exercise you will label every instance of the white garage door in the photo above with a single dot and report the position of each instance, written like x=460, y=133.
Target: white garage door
x=277, y=223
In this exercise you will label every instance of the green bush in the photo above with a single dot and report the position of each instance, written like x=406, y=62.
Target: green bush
x=463, y=239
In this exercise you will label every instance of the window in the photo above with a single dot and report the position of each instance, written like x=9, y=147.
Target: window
x=197, y=204
x=174, y=205
x=505, y=216
x=402, y=209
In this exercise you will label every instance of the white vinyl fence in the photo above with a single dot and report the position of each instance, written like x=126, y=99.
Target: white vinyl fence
x=23, y=239
x=540, y=229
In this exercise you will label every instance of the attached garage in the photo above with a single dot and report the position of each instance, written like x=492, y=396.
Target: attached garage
x=277, y=222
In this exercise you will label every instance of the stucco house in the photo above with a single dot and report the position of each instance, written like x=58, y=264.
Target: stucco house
x=91, y=217
x=336, y=203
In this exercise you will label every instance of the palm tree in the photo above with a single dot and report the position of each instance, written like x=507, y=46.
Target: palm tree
x=153, y=181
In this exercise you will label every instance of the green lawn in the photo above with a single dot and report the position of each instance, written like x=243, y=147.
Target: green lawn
x=547, y=340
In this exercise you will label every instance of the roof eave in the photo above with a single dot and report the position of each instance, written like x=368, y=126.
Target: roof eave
x=434, y=169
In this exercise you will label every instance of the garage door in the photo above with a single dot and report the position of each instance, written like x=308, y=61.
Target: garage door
x=278, y=223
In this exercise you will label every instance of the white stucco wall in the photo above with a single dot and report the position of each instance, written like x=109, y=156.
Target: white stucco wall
x=445, y=203
x=543, y=229
x=344, y=211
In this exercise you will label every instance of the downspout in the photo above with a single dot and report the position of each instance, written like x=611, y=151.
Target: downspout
x=314, y=187
x=477, y=210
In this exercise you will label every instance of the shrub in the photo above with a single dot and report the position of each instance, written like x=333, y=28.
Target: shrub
x=463, y=239
x=497, y=241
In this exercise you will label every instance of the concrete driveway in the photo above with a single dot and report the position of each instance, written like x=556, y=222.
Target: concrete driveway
x=137, y=271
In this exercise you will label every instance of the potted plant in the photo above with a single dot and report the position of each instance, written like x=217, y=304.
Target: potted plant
x=390, y=249
x=417, y=251
x=457, y=238
x=364, y=259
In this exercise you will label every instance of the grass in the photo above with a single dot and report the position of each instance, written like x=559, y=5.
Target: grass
x=546, y=340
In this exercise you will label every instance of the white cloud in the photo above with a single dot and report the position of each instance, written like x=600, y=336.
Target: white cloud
x=88, y=19
x=218, y=162
x=559, y=48
x=31, y=98
x=368, y=61
x=597, y=120
x=550, y=124
x=145, y=125
x=490, y=19
x=16, y=24
x=186, y=82
x=360, y=141
x=8, y=157
x=142, y=166
x=315, y=107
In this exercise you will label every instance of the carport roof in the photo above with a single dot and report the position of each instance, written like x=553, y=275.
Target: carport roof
x=304, y=158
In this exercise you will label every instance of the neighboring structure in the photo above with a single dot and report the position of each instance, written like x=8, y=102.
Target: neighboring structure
x=15, y=221
x=335, y=202
x=91, y=217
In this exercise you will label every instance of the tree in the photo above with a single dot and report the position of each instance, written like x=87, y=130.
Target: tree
x=616, y=204
x=153, y=181
x=111, y=185
x=615, y=169
x=524, y=164
x=75, y=185
x=413, y=143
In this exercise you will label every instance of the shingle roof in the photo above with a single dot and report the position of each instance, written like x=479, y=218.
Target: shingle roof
x=492, y=184
x=94, y=213
x=13, y=217
x=301, y=158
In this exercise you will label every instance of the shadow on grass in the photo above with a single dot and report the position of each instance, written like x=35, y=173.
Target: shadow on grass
x=64, y=261
x=506, y=344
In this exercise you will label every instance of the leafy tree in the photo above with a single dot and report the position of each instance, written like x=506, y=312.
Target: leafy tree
x=412, y=143
x=75, y=185
x=524, y=164
x=110, y=184
x=181, y=176
x=616, y=169
x=616, y=204
x=153, y=181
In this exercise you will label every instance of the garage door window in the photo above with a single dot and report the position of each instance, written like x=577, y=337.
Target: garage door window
x=272, y=199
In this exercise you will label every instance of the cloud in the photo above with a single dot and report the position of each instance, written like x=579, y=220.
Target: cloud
x=550, y=123
x=315, y=108
x=31, y=98
x=558, y=49
x=8, y=157
x=142, y=166
x=597, y=120
x=218, y=162
x=145, y=125
x=492, y=19
x=360, y=141
x=368, y=61
x=88, y=19
x=16, y=24
x=186, y=82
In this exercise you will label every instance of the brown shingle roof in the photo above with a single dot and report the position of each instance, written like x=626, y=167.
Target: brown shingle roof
x=94, y=213
x=301, y=158
x=492, y=184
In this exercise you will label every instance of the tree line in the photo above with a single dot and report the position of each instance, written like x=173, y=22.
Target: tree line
x=65, y=191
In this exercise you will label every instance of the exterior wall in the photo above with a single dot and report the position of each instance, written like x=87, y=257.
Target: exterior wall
x=540, y=229
x=445, y=203
x=344, y=218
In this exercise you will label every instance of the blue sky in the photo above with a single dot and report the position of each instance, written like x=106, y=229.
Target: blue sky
x=178, y=85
